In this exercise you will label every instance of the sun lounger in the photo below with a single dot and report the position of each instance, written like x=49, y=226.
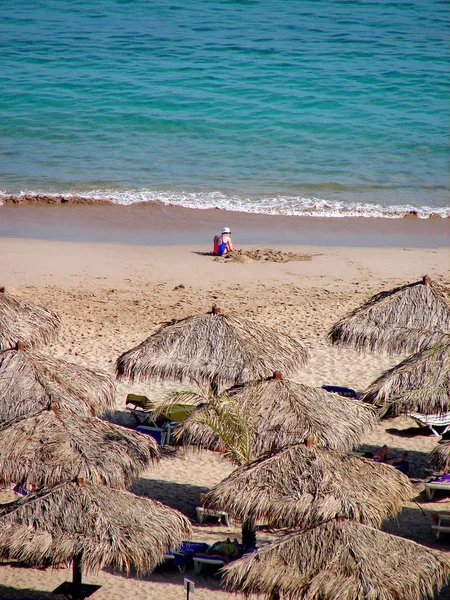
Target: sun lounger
x=217, y=562
x=166, y=421
x=184, y=555
x=178, y=412
x=142, y=417
x=203, y=512
x=141, y=402
x=443, y=524
x=202, y=560
x=342, y=391
x=207, y=512
x=432, y=421
x=432, y=486
x=158, y=434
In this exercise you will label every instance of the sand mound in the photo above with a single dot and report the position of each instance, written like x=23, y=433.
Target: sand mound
x=268, y=255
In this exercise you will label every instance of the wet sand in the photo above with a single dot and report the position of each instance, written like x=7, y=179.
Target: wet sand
x=159, y=224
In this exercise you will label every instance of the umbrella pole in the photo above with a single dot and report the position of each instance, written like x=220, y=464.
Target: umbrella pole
x=248, y=533
x=77, y=577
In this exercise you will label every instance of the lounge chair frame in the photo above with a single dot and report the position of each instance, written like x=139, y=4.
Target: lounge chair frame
x=432, y=421
x=443, y=524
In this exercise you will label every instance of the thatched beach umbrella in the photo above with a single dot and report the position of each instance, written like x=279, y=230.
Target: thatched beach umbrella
x=52, y=446
x=281, y=412
x=216, y=349
x=30, y=381
x=406, y=319
x=303, y=485
x=91, y=527
x=26, y=323
x=440, y=456
x=421, y=383
x=340, y=560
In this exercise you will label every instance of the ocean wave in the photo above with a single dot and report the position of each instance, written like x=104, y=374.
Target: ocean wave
x=268, y=205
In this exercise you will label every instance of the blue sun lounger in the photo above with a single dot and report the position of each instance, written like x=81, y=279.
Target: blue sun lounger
x=184, y=555
x=342, y=391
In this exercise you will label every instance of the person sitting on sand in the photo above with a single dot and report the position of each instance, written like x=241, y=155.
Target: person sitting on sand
x=222, y=242
x=381, y=456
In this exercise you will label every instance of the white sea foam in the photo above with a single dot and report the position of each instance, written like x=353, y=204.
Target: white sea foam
x=270, y=205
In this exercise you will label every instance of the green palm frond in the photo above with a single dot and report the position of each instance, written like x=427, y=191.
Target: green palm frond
x=219, y=424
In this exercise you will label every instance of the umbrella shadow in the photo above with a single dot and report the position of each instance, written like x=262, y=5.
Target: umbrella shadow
x=180, y=496
x=410, y=432
x=11, y=593
x=415, y=524
x=209, y=579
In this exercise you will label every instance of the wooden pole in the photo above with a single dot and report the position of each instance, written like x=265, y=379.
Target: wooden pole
x=77, y=578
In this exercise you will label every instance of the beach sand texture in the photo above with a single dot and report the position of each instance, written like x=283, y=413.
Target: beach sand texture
x=111, y=296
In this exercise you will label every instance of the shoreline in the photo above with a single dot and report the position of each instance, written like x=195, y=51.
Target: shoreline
x=270, y=204
x=157, y=224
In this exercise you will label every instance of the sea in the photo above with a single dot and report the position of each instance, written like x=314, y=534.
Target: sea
x=291, y=107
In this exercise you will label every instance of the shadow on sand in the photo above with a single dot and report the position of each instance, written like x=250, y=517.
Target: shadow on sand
x=10, y=593
x=181, y=496
x=168, y=574
x=411, y=432
x=417, y=522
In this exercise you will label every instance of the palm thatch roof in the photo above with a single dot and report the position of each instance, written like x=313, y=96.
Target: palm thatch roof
x=280, y=412
x=440, y=456
x=304, y=485
x=406, y=319
x=217, y=349
x=421, y=383
x=26, y=323
x=340, y=560
x=98, y=526
x=30, y=381
x=53, y=446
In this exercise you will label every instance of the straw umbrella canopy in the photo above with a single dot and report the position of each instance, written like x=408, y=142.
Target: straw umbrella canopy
x=340, y=560
x=52, y=446
x=421, y=383
x=440, y=456
x=303, y=485
x=280, y=412
x=216, y=349
x=26, y=323
x=406, y=319
x=91, y=527
x=30, y=381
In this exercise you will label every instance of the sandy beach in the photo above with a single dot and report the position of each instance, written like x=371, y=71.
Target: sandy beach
x=115, y=274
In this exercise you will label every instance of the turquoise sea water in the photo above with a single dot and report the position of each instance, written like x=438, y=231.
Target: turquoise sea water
x=282, y=106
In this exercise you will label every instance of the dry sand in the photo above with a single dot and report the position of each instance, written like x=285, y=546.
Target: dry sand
x=111, y=296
